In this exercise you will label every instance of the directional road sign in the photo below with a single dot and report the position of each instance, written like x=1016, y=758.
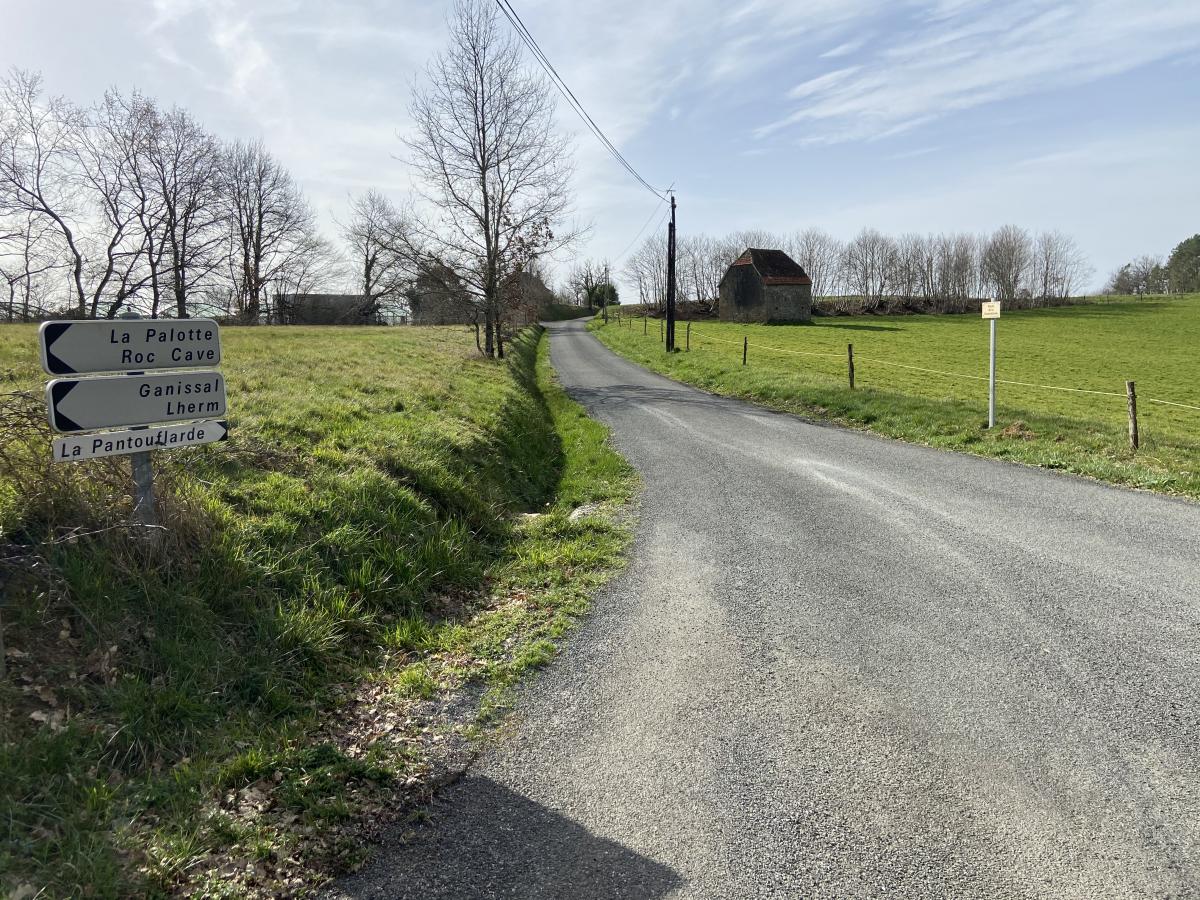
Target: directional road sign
x=138, y=440
x=82, y=404
x=128, y=345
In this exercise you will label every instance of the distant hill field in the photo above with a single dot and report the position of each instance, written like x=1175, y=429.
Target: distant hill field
x=910, y=382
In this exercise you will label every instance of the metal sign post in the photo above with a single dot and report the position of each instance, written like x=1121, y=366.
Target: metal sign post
x=144, y=511
x=991, y=312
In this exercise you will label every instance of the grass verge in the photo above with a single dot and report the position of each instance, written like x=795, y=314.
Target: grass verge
x=347, y=589
x=1095, y=348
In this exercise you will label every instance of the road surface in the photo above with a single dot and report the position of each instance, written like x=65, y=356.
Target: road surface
x=841, y=666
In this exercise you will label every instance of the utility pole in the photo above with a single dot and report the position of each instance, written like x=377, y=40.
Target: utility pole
x=671, y=280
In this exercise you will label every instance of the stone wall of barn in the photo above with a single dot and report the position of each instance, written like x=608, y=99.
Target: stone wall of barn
x=744, y=298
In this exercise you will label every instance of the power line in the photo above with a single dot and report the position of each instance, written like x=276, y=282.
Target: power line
x=642, y=231
x=569, y=95
x=547, y=66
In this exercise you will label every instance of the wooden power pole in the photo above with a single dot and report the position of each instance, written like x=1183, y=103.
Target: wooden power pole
x=671, y=280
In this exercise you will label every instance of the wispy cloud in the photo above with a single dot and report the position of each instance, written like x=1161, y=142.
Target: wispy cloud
x=913, y=154
x=956, y=56
x=252, y=77
x=821, y=82
x=844, y=49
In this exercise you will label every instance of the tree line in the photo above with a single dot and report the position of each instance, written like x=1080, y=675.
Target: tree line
x=876, y=272
x=1179, y=273
x=125, y=205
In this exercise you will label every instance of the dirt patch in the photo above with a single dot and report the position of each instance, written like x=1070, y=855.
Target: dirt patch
x=1018, y=430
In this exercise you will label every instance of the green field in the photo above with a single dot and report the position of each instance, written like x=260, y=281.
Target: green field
x=389, y=521
x=1095, y=347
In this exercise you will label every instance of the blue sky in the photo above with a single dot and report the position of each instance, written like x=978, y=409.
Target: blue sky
x=905, y=116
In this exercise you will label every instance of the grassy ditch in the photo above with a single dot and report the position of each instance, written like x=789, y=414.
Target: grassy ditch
x=384, y=544
x=1095, y=348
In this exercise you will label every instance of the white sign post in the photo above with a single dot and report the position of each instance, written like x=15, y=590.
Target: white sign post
x=79, y=447
x=84, y=404
x=121, y=352
x=991, y=312
x=128, y=345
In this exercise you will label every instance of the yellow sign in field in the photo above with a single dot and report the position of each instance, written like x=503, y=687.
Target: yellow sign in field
x=991, y=310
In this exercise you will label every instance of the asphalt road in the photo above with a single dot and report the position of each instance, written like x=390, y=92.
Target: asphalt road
x=840, y=666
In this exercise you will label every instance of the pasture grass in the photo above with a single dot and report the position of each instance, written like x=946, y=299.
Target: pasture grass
x=391, y=516
x=1097, y=347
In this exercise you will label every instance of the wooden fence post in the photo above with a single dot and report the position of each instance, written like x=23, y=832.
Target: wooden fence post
x=1131, y=392
x=689, y=335
x=745, y=348
x=660, y=331
x=850, y=360
x=645, y=324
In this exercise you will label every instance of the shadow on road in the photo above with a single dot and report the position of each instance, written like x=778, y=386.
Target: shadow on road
x=484, y=840
x=635, y=395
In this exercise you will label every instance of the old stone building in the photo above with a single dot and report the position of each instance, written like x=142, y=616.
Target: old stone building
x=766, y=286
x=324, y=309
x=526, y=297
x=440, y=298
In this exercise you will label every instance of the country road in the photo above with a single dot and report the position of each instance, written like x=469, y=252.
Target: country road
x=840, y=666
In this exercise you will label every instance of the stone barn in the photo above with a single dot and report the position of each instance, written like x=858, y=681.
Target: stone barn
x=766, y=286
x=325, y=309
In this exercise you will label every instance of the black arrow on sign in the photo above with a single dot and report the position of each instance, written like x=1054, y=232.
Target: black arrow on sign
x=55, y=330
x=58, y=393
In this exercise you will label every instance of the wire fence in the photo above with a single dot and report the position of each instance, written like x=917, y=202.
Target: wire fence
x=851, y=360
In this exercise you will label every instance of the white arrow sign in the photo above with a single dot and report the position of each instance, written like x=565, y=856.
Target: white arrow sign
x=87, y=403
x=128, y=345
x=117, y=443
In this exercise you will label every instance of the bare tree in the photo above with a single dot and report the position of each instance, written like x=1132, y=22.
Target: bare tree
x=27, y=255
x=757, y=238
x=185, y=161
x=647, y=268
x=375, y=235
x=111, y=154
x=37, y=143
x=590, y=283
x=1005, y=262
x=820, y=254
x=702, y=261
x=869, y=266
x=956, y=271
x=270, y=225
x=1058, y=266
x=489, y=160
x=313, y=263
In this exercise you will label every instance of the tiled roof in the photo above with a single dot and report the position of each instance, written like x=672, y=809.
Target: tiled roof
x=775, y=266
